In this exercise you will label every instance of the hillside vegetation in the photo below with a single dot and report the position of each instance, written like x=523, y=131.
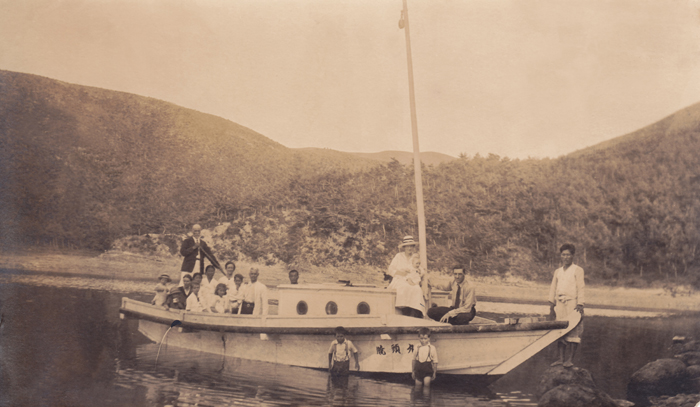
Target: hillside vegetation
x=81, y=166
x=84, y=167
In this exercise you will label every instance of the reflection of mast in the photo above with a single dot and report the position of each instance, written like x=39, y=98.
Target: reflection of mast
x=416, y=150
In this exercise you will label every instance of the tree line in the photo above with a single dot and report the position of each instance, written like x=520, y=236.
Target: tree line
x=633, y=215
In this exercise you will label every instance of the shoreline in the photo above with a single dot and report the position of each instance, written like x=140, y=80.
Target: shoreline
x=128, y=272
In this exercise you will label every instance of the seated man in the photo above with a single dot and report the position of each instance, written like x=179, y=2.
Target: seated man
x=255, y=296
x=463, y=297
x=177, y=298
x=235, y=293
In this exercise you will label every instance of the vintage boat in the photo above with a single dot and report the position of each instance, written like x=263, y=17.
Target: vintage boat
x=301, y=331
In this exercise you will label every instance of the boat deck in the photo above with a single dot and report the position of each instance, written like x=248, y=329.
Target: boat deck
x=318, y=325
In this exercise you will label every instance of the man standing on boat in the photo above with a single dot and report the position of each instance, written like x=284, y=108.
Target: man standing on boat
x=194, y=250
x=463, y=296
x=255, y=296
x=566, y=296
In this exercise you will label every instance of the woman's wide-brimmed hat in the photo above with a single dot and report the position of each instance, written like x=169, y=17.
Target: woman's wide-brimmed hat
x=407, y=241
x=165, y=276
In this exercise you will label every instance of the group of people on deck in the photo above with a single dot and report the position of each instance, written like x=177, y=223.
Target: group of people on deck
x=410, y=281
x=199, y=291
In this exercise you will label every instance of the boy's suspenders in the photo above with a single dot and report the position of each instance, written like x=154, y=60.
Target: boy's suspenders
x=347, y=356
x=429, y=358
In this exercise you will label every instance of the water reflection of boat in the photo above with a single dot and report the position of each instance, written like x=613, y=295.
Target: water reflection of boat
x=302, y=330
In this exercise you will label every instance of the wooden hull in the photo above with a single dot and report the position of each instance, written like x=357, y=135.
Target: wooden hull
x=386, y=344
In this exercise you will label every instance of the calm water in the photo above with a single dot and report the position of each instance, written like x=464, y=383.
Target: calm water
x=67, y=347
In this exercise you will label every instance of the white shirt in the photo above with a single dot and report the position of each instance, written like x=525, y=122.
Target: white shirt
x=231, y=290
x=194, y=303
x=256, y=293
x=341, y=351
x=568, y=285
x=207, y=290
x=426, y=353
x=235, y=295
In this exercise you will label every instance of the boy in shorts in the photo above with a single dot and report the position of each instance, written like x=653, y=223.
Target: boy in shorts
x=426, y=360
x=339, y=354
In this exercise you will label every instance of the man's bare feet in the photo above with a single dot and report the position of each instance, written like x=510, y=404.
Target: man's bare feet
x=568, y=364
x=557, y=363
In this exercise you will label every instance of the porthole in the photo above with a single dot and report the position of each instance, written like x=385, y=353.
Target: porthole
x=331, y=308
x=363, y=308
x=302, y=308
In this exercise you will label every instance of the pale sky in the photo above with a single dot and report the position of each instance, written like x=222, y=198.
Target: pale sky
x=514, y=78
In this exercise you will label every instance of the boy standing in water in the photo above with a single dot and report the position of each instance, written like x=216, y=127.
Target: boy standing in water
x=339, y=354
x=426, y=360
x=565, y=297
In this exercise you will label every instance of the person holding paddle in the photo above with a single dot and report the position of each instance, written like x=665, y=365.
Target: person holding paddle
x=194, y=250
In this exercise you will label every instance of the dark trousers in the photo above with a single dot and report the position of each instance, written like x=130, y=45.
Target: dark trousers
x=411, y=312
x=340, y=368
x=247, y=307
x=461, y=319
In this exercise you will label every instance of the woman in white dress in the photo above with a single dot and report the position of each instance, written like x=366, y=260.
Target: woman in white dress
x=402, y=262
x=406, y=277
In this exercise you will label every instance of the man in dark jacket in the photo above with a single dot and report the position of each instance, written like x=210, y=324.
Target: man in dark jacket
x=194, y=250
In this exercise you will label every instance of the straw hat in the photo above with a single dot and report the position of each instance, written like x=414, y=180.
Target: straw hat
x=166, y=277
x=408, y=241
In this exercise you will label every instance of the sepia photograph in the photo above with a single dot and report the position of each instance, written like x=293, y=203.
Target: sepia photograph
x=350, y=203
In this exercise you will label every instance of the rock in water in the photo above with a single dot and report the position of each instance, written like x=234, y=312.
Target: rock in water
x=658, y=378
x=557, y=375
x=693, y=371
x=575, y=395
x=681, y=400
x=571, y=387
x=689, y=358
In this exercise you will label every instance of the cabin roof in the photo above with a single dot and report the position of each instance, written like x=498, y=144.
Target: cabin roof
x=333, y=287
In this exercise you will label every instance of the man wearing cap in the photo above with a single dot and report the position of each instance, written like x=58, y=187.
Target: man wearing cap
x=463, y=294
x=194, y=249
x=402, y=262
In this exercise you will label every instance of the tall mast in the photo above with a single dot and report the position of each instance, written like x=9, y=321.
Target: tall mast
x=416, y=149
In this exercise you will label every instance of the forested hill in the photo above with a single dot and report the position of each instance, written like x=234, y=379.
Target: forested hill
x=85, y=167
x=406, y=158
x=641, y=196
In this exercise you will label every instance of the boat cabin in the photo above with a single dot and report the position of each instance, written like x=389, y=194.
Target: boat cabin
x=334, y=299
